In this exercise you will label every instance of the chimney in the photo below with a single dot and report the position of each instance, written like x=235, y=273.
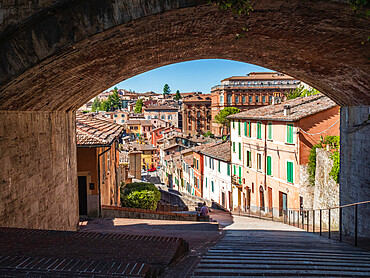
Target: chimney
x=286, y=110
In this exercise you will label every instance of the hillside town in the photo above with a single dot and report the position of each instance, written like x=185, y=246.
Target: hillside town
x=244, y=146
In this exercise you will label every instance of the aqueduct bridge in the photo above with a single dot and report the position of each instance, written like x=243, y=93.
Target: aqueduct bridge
x=57, y=54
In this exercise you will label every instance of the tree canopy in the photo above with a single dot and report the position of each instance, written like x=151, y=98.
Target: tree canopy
x=166, y=90
x=114, y=100
x=139, y=106
x=301, y=91
x=221, y=117
x=177, y=96
x=96, y=105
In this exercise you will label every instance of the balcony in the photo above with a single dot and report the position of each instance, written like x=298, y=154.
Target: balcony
x=235, y=180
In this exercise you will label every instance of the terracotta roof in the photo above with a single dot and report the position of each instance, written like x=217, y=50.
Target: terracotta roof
x=199, y=98
x=160, y=107
x=92, y=130
x=261, y=76
x=219, y=151
x=299, y=108
x=144, y=147
x=139, y=122
x=189, y=160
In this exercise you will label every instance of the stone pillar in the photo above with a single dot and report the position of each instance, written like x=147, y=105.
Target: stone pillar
x=354, y=177
x=38, y=170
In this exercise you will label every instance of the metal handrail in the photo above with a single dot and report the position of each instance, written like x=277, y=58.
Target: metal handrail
x=300, y=217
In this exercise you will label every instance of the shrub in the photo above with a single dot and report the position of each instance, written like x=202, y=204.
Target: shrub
x=334, y=173
x=140, y=195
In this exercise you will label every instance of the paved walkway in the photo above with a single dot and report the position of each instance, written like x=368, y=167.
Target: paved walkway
x=254, y=247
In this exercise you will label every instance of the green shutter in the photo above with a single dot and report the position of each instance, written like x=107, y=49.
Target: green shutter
x=290, y=172
x=269, y=165
x=245, y=129
x=234, y=169
x=213, y=188
x=240, y=151
x=240, y=172
x=239, y=131
x=269, y=131
x=249, y=129
x=233, y=124
x=219, y=166
x=258, y=130
x=290, y=133
x=206, y=182
x=228, y=169
x=233, y=147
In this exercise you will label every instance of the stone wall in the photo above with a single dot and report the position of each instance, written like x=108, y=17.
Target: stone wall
x=354, y=177
x=326, y=194
x=38, y=172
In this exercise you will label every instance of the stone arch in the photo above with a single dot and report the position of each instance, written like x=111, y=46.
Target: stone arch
x=57, y=54
x=68, y=52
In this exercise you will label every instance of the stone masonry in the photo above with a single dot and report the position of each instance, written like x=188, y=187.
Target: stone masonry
x=38, y=172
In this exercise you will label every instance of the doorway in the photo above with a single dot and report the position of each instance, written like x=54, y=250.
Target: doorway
x=269, y=194
x=283, y=203
x=262, y=198
x=223, y=199
x=82, y=195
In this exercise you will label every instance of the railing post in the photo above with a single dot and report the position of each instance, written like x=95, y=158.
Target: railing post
x=329, y=222
x=313, y=221
x=320, y=222
x=356, y=211
x=340, y=224
x=272, y=214
x=308, y=221
x=298, y=218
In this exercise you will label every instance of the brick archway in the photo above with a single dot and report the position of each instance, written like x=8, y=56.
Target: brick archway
x=65, y=54
x=57, y=54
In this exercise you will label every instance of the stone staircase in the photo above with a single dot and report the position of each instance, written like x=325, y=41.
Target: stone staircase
x=278, y=253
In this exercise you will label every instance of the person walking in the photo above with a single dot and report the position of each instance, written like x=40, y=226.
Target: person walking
x=204, y=211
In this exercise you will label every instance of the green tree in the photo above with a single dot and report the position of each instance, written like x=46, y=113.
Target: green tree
x=96, y=105
x=301, y=91
x=166, y=90
x=237, y=6
x=221, y=117
x=209, y=134
x=140, y=195
x=177, y=96
x=139, y=106
x=114, y=100
x=104, y=106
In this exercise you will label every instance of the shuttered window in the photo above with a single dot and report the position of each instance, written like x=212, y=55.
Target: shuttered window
x=228, y=169
x=269, y=165
x=233, y=147
x=259, y=135
x=239, y=128
x=245, y=129
x=249, y=159
x=290, y=173
x=289, y=138
x=269, y=131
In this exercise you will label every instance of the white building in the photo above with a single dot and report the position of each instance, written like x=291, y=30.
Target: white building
x=217, y=175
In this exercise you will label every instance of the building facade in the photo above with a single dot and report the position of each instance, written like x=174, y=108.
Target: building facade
x=163, y=112
x=270, y=147
x=254, y=90
x=196, y=114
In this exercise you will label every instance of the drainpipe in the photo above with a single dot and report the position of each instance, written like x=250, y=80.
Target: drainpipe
x=100, y=210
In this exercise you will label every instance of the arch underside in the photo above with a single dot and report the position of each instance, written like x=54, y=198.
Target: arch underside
x=60, y=60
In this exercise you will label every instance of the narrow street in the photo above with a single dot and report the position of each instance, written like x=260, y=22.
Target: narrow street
x=254, y=247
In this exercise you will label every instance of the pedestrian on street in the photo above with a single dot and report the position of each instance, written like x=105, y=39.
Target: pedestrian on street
x=204, y=210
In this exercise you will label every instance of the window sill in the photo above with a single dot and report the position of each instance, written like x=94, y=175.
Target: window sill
x=291, y=144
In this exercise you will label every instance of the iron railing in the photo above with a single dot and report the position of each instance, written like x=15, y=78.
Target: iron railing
x=325, y=222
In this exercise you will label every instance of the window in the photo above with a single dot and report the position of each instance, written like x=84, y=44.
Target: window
x=237, y=99
x=197, y=164
x=234, y=124
x=289, y=138
x=115, y=116
x=194, y=163
x=170, y=117
x=243, y=99
x=289, y=170
x=259, y=135
x=239, y=130
x=269, y=165
x=269, y=131
x=163, y=117
x=234, y=169
x=229, y=99
x=270, y=99
x=221, y=99
x=245, y=129
x=205, y=161
x=259, y=161
x=206, y=182
x=233, y=147
x=122, y=121
x=228, y=169
x=249, y=159
x=263, y=99
x=240, y=172
x=250, y=99
x=240, y=151
x=212, y=186
x=219, y=166
x=257, y=99
x=249, y=129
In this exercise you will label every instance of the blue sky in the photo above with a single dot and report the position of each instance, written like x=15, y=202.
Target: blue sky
x=198, y=75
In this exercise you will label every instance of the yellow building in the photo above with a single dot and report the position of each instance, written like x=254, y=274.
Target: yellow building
x=148, y=156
